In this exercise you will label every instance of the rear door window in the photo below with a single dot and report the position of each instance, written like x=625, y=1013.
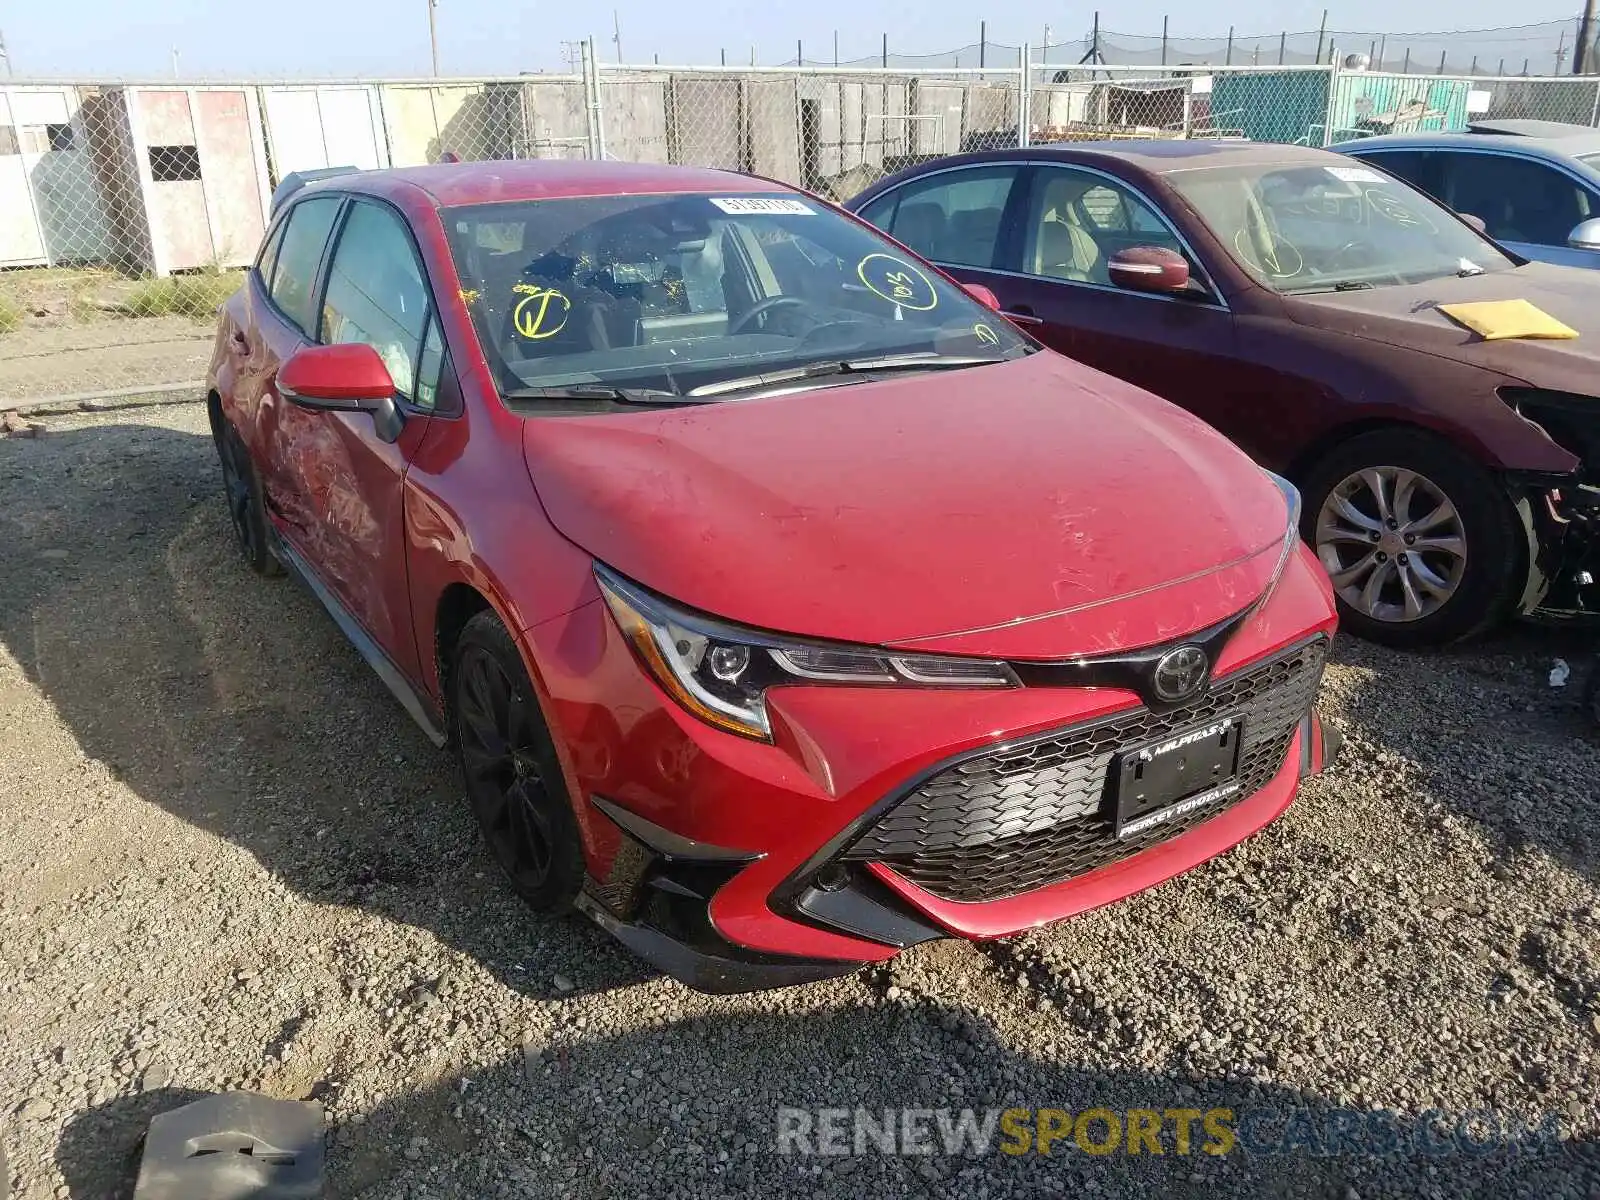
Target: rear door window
x=952, y=217
x=299, y=255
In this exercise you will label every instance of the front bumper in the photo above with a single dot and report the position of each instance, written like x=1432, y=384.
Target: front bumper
x=734, y=865
x=1567, y=528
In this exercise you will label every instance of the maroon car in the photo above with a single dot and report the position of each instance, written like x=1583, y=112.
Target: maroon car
x=1290, y=297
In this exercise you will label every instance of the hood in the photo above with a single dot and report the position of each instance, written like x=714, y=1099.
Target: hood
x=1002, y=509
x=1408, y=316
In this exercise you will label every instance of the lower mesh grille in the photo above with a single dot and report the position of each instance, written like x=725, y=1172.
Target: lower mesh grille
x=1036, y=813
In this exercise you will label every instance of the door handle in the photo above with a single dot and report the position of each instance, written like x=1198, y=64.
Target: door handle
x=1022, y=315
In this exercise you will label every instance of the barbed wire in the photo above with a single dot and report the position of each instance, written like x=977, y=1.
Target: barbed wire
x=1542, y=48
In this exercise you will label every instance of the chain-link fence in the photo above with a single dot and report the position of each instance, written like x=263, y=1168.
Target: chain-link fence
x=1092, y=103
x=832, y=131
x=128, y=210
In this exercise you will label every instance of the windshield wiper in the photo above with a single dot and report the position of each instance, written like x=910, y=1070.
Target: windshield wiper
x=1344, y=285
x=598, y=391
x=855, y=366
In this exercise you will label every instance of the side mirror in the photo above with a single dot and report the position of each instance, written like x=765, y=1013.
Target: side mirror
x=1586, y=236
x=983, y=296
x=1149, y=269
x=348, y=378
x=1476, y=222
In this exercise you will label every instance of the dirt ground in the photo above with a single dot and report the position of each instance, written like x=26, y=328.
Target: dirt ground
x=229, y=860
x=70, y=341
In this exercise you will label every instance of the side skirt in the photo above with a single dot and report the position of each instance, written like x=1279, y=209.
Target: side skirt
x=413, y=701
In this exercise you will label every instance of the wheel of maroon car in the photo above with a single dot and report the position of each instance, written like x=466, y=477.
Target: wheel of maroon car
x=512, y=773
x=1422, y=544
x=242, y=491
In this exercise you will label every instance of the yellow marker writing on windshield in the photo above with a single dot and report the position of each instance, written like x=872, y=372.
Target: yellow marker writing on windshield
x=542, y=312
x=986, y=335
x=897, y=281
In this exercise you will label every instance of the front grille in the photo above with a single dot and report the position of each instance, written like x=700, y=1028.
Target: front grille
x=1036, y=813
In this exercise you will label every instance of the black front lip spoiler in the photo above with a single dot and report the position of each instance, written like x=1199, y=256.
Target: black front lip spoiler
x=717, y=974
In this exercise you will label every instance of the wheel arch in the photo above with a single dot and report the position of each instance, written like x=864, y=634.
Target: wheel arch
x=1328, y=440
x=458, y=603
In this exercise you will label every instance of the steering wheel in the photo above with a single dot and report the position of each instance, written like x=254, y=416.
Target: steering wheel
x=1337, y=256
x=761, y=307
x=820, y=334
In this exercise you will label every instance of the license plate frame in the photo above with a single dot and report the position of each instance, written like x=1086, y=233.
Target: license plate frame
x=1165, y=779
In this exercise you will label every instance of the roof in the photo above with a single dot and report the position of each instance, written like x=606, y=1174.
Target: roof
x=1160, y=156
x=450, y=184
x=1567, y=146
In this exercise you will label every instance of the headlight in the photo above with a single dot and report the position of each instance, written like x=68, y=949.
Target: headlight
x=1291, y=535
x=721, y=672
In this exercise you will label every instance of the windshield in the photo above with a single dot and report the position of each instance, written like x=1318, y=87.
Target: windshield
x=1300, y=228
x=678, y=292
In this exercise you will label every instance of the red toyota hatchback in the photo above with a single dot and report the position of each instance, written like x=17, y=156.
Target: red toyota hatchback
x=787, y=607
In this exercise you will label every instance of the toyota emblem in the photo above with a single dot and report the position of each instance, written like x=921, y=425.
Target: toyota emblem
x=1181, y=673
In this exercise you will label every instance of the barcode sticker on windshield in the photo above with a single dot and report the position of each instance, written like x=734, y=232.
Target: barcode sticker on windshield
x=753, y=206
x=1356, y=175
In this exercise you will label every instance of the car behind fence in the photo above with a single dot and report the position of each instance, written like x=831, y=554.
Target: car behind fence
x=128, y=208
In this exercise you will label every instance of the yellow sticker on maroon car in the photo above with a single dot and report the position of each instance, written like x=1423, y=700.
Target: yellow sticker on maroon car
x=1495, y=320
x=542, y=312
x=897, y=281
x=986, y=335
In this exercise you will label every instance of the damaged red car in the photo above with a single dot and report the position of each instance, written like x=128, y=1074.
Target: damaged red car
x=785, y=605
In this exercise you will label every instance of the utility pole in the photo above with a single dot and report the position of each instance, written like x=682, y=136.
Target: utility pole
x=1580, y=52
x=433, y=34
x=5, y=54
x=175, y=72
x=616, y=33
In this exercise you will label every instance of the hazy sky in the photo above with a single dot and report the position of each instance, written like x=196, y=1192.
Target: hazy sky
x=389, y=37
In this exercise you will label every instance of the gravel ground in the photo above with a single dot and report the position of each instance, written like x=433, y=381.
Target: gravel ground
x=229, y=860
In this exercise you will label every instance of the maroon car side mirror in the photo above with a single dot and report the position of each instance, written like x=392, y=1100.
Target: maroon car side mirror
x=345, y=378
x=983, y=296
x=1149, y=269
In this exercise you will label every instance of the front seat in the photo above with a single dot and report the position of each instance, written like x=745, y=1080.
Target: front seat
x=1066, y=251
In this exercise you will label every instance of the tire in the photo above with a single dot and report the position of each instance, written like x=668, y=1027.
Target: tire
x=1473, y=563
x=241, y=489
x=510, y=767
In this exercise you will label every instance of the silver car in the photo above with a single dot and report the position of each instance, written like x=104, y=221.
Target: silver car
x=1534, y=184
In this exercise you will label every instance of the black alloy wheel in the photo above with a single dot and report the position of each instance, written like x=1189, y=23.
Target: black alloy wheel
x=513, y=776
x=243, y=495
